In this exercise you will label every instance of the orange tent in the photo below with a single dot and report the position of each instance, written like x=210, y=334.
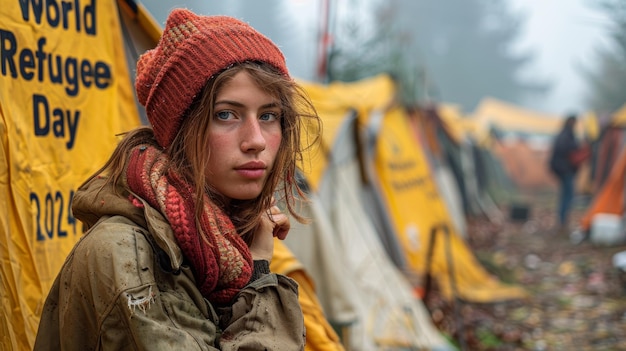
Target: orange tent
x=610, y=199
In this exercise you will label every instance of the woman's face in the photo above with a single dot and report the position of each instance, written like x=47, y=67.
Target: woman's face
x=244, y=137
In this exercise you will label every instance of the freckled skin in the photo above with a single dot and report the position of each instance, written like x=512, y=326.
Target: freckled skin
x=245, y=129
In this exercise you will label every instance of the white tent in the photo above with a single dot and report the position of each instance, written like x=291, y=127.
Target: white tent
x=360, y=288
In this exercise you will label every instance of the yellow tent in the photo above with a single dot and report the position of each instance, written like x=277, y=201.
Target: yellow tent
x=454, y=121
x=463, y=159
x=589, y=125
x=509, y=117
x=407, y=186
x=619, y=117
x=418, y=210
x=334, y=102
x=320, y=336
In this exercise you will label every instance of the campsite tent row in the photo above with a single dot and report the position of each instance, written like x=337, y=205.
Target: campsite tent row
x=521, y=139
x=377, y=203
x=454, y=140
x=378, y=189
x=603, y=176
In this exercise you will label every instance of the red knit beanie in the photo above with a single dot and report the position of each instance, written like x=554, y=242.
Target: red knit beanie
x=191, y=50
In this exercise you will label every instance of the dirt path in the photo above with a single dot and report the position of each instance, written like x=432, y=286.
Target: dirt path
x=577, y=299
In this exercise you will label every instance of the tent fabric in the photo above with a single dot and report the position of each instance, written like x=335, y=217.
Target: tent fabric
x=452, y=120
x=140, y=25
x=395, y=319
x=450, y=193
x=525, y=164
x=606, y=172
x=412, y=198
x=492, y=112
x=457, y=146
x=361, y=292
x=415, y=204
x=337, y=179
x=336, y=101
x=141, y=32
x=610, y=198
x=605, y=154
x=590, y=125
x=320, y=335
x=339, y=101
x=430, y=130
x=619, y=117
x=315, y=246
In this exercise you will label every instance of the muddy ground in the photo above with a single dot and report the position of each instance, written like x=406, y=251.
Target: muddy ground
x=577, y=300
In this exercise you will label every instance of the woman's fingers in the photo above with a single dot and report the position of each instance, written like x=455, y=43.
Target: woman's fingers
x=281, y=223
x=274, y=223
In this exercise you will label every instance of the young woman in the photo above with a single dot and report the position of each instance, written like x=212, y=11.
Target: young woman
x=182, y=218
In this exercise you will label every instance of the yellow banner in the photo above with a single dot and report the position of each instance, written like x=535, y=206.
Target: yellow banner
x=65, y=93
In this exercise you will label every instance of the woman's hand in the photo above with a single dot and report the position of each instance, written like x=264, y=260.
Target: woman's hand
x=274, y=223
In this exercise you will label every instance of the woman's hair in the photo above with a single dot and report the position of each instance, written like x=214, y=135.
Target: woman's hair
x=188, y=151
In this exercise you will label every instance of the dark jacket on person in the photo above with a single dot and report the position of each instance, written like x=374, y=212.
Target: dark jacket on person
x=125, y=286
x=564, y=144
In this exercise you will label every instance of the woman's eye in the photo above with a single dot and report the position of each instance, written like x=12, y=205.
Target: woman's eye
x=269, y=116
x=223, y=115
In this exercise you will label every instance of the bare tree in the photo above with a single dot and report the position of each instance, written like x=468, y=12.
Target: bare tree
x=608, y=81
x=456, y=50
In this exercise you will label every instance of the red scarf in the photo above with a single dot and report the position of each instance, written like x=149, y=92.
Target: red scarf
x=221, y=260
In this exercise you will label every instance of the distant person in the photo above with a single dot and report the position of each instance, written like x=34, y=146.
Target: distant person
x=564, y=163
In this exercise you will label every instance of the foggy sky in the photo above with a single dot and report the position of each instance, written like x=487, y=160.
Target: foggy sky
x=563, y=34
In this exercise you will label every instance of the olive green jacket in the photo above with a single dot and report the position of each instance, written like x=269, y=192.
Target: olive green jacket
x=125, y=286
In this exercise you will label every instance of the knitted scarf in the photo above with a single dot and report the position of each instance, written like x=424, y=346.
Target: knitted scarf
x=220, y=259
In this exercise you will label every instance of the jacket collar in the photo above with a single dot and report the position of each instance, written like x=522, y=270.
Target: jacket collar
x=97, y=198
